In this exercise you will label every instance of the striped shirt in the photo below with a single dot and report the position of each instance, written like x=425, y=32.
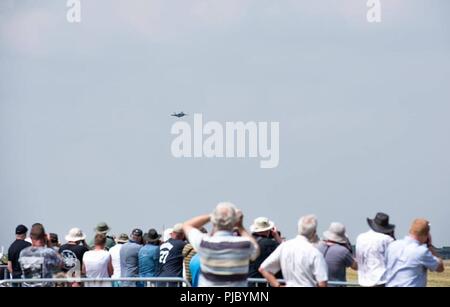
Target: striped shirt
x=224, y=258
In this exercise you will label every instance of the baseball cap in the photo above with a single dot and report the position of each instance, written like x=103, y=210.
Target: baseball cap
x=21, y=229
x=137, y=232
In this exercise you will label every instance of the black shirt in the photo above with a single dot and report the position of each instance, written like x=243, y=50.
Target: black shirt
x=72, y=255
x=266, y=247
x=171, y=258
x=14, y=253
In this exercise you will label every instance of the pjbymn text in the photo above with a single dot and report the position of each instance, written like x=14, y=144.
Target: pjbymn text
x=227, y=297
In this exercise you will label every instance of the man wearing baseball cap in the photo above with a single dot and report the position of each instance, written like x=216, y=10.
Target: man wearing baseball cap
x=129, y=257
x=14, y=251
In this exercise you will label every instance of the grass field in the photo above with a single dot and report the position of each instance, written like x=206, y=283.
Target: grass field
x=434, y=279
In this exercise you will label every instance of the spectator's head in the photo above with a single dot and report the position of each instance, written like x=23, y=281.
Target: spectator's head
x=307, y=227
x=137, y=235
x=100, y=241
x=224, y=217
x=102, y=228
x=262, y=226
x=177, y=232
x=21, y=232
x=122, y=239
x=54, y=239
x=75, y=235
x=420, y=230
x=336, y=233
x=38, y=235
x=152, y=237
x=381, y=224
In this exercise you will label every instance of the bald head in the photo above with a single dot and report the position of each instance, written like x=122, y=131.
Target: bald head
x=224, y=217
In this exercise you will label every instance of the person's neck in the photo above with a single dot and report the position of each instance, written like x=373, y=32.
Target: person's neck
x=415, y=238
x=99, y=248
x=20, y=237
x=37, y=243
x=215, y=231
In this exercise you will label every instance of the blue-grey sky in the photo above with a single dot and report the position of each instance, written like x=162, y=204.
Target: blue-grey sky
x=85, y=127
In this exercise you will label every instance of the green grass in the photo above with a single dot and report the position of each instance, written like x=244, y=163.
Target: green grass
x=434, y=279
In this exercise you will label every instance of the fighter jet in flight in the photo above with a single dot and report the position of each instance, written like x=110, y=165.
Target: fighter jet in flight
x=181, y=114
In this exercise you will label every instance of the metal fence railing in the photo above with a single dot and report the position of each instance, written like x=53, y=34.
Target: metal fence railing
x=130, y=281
x=4, y=272
x=144, y=282
x=261, y=282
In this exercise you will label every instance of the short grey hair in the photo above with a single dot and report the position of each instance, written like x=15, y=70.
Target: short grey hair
x=224, y=217
x=307, y=226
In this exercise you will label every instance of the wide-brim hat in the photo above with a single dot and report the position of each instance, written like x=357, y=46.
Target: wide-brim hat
x=123, y=238
x=74, y=235
x=261, y=224
x=381, y=223
x=152, y=236
x=102, y=228
x=336, y=233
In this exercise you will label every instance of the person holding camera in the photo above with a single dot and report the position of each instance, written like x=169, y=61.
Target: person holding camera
x=408, y=260
x=224, y=257
x=268, y=239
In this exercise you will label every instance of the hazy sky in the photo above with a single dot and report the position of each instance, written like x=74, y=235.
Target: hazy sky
x=363, y=110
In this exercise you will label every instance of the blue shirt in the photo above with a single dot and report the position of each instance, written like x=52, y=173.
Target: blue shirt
x=148, y=260
x=407, y=262
x=194, y=266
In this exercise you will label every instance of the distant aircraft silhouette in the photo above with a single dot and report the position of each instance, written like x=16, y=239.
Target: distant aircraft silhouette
x=181, y=114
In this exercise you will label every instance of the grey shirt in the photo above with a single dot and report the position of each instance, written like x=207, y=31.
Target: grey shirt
x=338, y=258
x=129, y=259
x=39, y=262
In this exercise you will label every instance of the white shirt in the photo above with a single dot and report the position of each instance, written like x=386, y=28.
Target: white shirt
x=371, y=247
x=96, y=263
x=300, y=262
x=115, y=259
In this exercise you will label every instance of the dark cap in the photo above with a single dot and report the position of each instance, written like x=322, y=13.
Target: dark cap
x=21, y=229
x=137, y=232
x=54, y=237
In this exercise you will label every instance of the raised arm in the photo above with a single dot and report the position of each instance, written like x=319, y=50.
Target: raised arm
x=196, y=222
x=244, y=233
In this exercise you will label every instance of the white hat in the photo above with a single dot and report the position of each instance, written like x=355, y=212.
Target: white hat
x=336, y=233
x=261, y=224
x=75, y=234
